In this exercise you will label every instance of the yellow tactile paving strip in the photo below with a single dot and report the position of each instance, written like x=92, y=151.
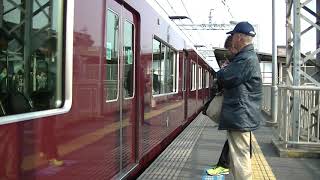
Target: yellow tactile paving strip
x=260, y=167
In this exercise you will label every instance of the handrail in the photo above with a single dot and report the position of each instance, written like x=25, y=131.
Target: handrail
x=299, y=87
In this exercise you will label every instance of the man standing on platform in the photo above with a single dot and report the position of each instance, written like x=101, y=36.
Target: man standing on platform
x=241, y=111
x=223, y=165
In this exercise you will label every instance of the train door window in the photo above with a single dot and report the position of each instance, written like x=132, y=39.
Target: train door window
x=164, y=69
x=112, y=55
x=200, y=78
x=207, y=79
x=193, y=76
x=128, y=59
x=204, y=79
x=31, y=56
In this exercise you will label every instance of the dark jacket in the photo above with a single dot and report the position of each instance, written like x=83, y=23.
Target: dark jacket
x=241, y=79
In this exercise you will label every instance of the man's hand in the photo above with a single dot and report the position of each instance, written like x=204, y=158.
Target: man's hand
x=226, y=63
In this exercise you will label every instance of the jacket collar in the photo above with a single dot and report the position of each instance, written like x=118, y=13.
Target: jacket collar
x=248, y=47
x=242, y=53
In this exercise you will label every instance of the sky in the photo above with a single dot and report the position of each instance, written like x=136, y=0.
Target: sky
x=257, y=12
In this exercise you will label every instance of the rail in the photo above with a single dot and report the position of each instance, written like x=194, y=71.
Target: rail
x=306, y=130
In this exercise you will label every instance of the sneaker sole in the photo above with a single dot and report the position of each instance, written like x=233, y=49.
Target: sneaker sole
x=223, y=173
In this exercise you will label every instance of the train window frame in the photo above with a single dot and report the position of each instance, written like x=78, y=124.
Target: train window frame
x=64, y=70
x=118, y=46
x=176, y=65
x=133, y=60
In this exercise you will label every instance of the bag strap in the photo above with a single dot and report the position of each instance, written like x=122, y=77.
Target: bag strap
x=250, y=146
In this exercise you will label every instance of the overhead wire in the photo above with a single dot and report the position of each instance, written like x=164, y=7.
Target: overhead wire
x=189, y=35
x=173, y=21
x=161, y=7
x=186, y=10
x=171, y=7
x=224, y=2
x=184, y=6
x=174, y=11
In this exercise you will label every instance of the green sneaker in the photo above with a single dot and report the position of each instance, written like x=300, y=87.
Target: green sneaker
x=217, y=171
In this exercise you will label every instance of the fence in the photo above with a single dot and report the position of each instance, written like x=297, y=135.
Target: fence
x=305, y=131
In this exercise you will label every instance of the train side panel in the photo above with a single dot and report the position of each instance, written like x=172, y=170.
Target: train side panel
x=135, y=86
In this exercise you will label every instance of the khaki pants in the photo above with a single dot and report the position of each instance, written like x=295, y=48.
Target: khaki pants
x=239, y=151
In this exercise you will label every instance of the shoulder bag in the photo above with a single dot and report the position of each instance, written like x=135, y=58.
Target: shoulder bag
x=214, y=108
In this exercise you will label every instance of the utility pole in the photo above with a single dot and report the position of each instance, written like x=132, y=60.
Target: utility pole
x=274, y=88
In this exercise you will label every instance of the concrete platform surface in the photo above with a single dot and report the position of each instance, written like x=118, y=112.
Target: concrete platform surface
x=200, y=144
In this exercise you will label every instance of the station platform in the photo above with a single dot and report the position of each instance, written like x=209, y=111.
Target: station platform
x=200, y=145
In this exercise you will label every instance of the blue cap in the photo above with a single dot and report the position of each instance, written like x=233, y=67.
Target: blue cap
x=244, y=28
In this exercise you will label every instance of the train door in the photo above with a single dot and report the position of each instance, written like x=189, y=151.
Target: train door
x=125, y=21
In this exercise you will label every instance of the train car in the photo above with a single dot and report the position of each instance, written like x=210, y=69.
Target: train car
x=92, y=89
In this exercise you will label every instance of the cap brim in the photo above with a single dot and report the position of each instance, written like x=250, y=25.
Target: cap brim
x=230, y=32
x=252, y=34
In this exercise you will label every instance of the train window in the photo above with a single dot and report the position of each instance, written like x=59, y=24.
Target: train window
x=193, y=77
x=112, y=55
x=170, y=71
x=200, y=78
x=30, y=56
x=204, y=79
x=128, y=60
x=164, y=69
x=207, y=79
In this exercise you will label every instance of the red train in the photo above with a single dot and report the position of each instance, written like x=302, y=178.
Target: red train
x=92, y=89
